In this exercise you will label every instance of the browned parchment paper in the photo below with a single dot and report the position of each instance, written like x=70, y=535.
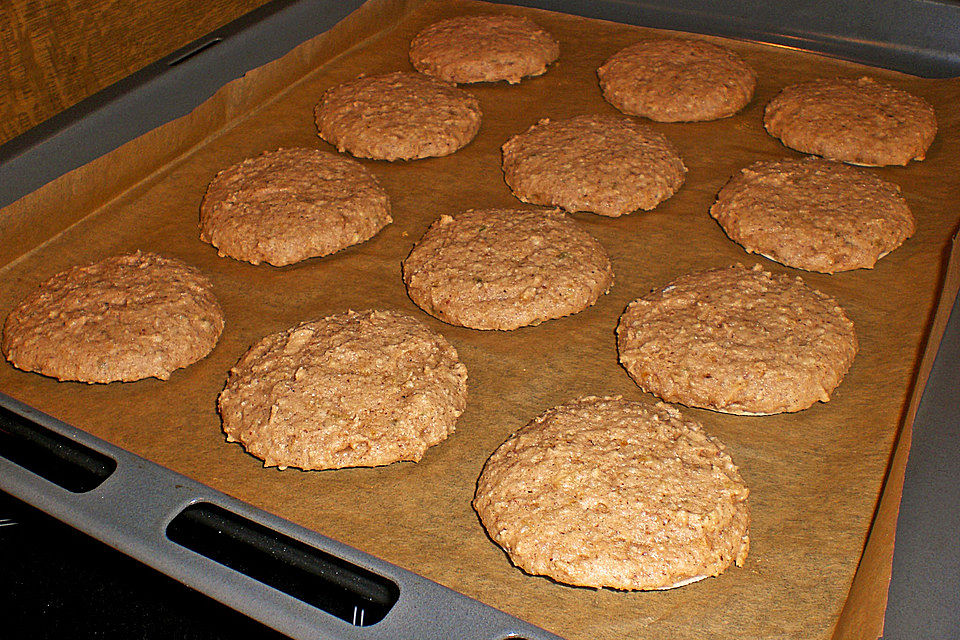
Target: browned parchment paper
x=815, y=476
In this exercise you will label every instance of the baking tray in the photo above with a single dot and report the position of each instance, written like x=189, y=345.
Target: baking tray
x=922, y=41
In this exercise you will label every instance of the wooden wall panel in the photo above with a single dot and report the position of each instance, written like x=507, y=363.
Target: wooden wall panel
x=54, y=53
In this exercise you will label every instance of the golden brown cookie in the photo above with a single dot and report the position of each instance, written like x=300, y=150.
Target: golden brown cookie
x=398, y=116
x=859, y=121
x=813, y=214
x=602, y=492
x=737, y=340
x=123, y=318
x=351, y=390
x=609, y=165
x=677, y=80
x=286, y=206
x=484, y=48
x=502, y=269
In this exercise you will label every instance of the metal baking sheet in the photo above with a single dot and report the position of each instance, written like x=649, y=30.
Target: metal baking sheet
x=932, y=51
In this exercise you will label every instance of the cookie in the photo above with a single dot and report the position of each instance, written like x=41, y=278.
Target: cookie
x=357, y=389
x=123, y=318
x=501, y=269
x=737, y=340
x=676, y=80
x=609, y=165
x=484, y=48
x=289, y=205
x=398, y=116
x=602, y=492
x=859, y=121
x=813, y=214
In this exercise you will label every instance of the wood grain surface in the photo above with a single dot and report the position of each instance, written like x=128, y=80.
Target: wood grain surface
x=55, y=53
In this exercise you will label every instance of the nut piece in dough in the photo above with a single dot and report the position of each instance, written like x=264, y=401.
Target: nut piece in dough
x=286, y=206
x=502, y=269
x=397, y=116
x=859, y=121
x=602, y=492
x=677, y=80
x=351, y=390
x=609, y=165
x=813, y=214
x=737, y=340
x=123, y=318
x=484, y=48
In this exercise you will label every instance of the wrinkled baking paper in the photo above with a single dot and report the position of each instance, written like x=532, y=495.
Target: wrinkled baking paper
x=815, y=476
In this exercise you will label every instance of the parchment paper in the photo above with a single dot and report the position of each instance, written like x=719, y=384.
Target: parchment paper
x=815, y=476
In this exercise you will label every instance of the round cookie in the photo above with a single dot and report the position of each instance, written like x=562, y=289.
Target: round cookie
x=859, y=121
x=813, y=214
x=677, y=80
x=397, y=116
x=123, y=318
x=292, y=204
x=351, y=390
x=737, y=340
x=484, y=48
x=502, y=269
x=609, y=165
x=602, y=492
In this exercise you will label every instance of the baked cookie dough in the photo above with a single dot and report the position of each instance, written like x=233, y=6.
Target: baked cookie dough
x=292, y=204
x=677, y=80
x=484, y=48
x=502, y=269
x=397, y=116
x=123, y=318
x=602, y=492
x=813, y=214
x=357, y=389
x=609, y=165
x=737, y=340
x=859, y=121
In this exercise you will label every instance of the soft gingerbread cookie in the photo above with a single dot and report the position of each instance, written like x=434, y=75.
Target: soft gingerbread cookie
x=602, y=492
x=484, y=48
x=609, y=165
x=397, y=116
x=503, y=269
x=677, y=80
x=123, y=318
x=288, y=205
x=737, y=340
x=351, y=390
x=859, y=121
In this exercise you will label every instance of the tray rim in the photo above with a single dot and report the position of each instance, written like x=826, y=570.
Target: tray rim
x=26, y=160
